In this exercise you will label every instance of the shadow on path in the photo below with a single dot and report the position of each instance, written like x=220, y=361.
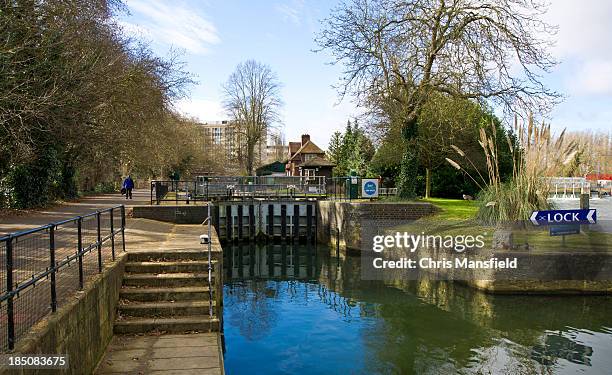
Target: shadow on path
x=18, y=222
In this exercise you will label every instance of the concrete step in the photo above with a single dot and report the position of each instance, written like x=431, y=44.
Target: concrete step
x=166, y=279
x=199, y=323
x=165, y=294
x=164, y=308
x=167, y=255
x=167, y=266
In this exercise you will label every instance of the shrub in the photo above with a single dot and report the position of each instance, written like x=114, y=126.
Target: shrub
x=535, y=156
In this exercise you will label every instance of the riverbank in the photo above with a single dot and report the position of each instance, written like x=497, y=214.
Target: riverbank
x=576, y=264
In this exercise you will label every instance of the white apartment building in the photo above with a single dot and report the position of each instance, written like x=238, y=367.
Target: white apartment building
x=225, y=138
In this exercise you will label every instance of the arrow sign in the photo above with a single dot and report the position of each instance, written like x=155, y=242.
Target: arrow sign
x=551, y=217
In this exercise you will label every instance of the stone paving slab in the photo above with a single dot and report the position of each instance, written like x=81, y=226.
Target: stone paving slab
x=165, y=354
x=27, y=219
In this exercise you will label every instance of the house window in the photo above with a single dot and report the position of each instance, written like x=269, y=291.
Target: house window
x=309, y=156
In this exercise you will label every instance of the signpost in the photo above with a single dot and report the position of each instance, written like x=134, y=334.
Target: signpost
x=564, y=222
x=369, y=188
x=552, y=217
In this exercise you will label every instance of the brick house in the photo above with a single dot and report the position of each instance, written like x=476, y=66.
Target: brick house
x=307, y=159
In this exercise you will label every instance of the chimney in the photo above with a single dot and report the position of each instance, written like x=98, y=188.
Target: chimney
x=305, y=138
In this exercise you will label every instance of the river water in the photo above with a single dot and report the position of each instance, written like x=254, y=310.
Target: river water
x=304, y=310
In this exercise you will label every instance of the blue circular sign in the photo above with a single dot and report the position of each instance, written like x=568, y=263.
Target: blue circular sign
x=369, y=188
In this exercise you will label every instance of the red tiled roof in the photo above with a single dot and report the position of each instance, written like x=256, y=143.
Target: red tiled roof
x=308, y=148
x=318, y=162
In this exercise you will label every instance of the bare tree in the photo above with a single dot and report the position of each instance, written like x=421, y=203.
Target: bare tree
x=252, y=98
x=79, y=100
x=396, y=53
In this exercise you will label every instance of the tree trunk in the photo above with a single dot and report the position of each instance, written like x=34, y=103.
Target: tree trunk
x=250, y=159
x=410, y=161
x=427, y=183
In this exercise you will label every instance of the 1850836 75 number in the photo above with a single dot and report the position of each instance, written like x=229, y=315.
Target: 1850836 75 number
x=34, y=361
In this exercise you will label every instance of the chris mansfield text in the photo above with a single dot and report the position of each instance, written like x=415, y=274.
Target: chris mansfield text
x=429, y=263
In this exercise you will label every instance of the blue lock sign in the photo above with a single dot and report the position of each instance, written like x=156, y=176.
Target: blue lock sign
x=369, y=188
x=564, y=229
x=552, y=217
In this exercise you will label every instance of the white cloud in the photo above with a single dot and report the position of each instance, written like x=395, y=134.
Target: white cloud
x=173, y=23
x=584, y=28
x=201, y=109
x=291, y=13
x=584, y=44
x=594, y=77
x=134, y=29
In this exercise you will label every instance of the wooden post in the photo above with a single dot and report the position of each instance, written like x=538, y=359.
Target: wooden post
x=240, y=217
x=228, y=222
x=296, y=222
x=283, y=221
x=270, y=221
x=584, y=201
x=584, y=205
x=309, y=222
x=251, y=222
x=217, y=218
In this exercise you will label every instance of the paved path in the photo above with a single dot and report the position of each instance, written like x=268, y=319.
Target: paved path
x=196, y=353
x=30, y=219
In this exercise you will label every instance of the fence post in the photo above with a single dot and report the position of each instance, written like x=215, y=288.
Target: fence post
x=152, y=182
x=99, y=243
x=80, y=250
x=123, y=226
x=112, y=228
x=52, y=265
x=9, y=289
x=158, y=189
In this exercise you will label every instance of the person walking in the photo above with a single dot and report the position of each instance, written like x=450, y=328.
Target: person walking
x=128, y=185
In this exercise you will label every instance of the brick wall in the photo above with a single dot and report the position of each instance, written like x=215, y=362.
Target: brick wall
x=343, y=223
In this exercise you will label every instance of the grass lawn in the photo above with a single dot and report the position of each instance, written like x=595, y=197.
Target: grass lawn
x=454, y=209
x=457, y=217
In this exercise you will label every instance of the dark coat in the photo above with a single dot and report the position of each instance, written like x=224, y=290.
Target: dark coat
x=128, y=183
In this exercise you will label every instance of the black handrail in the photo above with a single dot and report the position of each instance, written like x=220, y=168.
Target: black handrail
x=52, y=271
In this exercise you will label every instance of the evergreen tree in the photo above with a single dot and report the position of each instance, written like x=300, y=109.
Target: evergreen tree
x=335, y=146
x=351, y=150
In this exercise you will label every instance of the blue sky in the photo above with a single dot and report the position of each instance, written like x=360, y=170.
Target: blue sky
x=214, y=36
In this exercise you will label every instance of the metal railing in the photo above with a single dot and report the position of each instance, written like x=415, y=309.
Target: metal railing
x=215, y=292
x=208, y=188
x=349, y=187
x=229, y=187
x=573, y=187
x=41, y=267
x=208, y=222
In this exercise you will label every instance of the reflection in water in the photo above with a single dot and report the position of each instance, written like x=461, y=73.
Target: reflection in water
x=296, y=309
x=558, y=346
